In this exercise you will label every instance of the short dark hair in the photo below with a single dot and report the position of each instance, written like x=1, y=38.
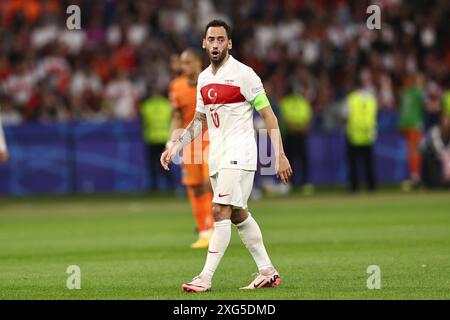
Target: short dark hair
x=219, y=23
x=195, y=52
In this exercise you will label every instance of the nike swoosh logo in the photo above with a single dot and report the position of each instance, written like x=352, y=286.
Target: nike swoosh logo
x=257, y=285
x=213, y=251
x=194, y=285
x=223, y=195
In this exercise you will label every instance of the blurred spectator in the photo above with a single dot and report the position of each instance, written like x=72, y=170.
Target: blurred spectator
x=121, y=96
x=85, y=82
x=5, y=68
x=155, y=117
x=9, y=115
x=297, y=115
x=49, y=73
x=52, y=108
x=316, y=46
x=19, y=85
x=433, y=103
x=411, y=124
x=436, y=154
x=361, y=118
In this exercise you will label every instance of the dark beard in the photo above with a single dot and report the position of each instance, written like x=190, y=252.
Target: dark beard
x=219, y=59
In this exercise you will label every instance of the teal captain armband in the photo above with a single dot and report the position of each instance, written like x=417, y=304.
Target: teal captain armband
x=260, y=101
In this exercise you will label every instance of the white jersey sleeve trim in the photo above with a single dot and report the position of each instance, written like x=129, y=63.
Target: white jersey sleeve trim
x=251, y=85
x=200, y=104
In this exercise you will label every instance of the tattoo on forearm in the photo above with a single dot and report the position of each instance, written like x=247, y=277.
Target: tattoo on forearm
x=193, y=129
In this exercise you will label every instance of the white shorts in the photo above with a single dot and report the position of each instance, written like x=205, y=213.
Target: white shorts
x=232, y=187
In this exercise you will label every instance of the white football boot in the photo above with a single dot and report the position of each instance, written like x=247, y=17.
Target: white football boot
x=198, y=284
x=267, y=278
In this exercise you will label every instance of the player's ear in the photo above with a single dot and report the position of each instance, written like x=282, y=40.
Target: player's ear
x=204, y=44
x=230, y=44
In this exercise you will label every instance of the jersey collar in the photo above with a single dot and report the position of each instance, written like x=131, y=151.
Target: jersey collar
x=230, y=59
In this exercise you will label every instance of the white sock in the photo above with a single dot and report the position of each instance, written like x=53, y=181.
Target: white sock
x=218, y=244
x=252, y=238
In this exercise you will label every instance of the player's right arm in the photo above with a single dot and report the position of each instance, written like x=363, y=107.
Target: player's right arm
x=176, y=126
x=189, y=134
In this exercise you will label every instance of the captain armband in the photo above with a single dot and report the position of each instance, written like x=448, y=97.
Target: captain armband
x=261, y=101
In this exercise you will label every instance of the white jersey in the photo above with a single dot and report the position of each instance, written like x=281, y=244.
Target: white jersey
x=225, y=99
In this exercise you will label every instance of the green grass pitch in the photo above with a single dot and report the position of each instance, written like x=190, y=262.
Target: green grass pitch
x=137, y=247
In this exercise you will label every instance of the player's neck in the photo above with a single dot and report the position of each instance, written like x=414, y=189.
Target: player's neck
x=192, y=80
x=216, y=67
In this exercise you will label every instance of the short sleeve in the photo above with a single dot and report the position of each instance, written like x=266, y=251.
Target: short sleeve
x=200, y=104
x=251, y=86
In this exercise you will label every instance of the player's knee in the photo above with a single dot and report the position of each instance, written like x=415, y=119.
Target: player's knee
x=207, y=187
x=216, y=210
x=221, y=212
x=238, y=216
x=236, y=219
x=197, y=190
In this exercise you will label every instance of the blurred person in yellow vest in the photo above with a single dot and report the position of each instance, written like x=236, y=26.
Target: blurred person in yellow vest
x=446, y=101
x=297, y=115
x=155, y=114
x=361, y=132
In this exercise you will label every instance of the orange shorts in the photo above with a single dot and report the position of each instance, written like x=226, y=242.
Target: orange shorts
x=194, y=174
x=194, y=168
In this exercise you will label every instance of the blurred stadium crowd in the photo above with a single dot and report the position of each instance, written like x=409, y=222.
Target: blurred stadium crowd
x=309, y=54
x=121, y=55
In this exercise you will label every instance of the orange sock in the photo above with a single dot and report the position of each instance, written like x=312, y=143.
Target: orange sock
x=198, y=209
x=207, y=202
x=413, y=140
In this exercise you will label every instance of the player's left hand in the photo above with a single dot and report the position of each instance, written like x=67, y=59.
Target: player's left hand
x=3, y=156
x=284, y=169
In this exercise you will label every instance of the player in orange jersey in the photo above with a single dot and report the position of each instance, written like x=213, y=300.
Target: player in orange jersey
x=183, y=95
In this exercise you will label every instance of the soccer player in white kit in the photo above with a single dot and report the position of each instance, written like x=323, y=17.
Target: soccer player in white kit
x=227, y=92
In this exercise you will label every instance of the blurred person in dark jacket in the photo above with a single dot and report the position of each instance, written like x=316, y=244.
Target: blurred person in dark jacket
x=436, y=154
x=297, y=115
